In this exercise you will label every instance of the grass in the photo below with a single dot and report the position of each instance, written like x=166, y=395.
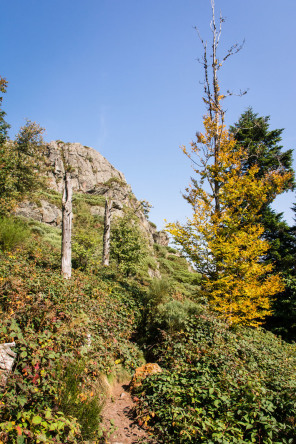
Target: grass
x=51, y=235
x=89, y=199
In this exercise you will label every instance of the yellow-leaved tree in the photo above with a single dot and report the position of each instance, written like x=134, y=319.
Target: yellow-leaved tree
x=224, y=237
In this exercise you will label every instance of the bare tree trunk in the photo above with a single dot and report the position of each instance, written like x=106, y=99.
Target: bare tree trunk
x=212, y=92
x=106, y=238
x=66, y=226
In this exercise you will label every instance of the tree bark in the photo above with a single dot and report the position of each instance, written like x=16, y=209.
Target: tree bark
x=106, y=238
x=67, y=226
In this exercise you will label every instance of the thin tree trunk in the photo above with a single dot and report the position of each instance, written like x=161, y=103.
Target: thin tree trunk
x=66, y=226
x=106, y=238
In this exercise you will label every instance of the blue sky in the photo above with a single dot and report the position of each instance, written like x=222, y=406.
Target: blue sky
x=122, y=77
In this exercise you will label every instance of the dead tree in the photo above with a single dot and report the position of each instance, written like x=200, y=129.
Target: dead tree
x=66, y=226
x=212, y=95
x=106, y=237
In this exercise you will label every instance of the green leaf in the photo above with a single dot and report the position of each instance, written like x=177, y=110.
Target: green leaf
x=48, y=414
x=22, y=400
x=36, y=420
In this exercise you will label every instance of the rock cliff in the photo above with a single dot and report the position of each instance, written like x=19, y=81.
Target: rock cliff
x=93, y=179
x=89, y=169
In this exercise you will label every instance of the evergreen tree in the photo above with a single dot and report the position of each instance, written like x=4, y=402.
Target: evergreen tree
x=283, y=253
x=282, y=241
x=263, y=146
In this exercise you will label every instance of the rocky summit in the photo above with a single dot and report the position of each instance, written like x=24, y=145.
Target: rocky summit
x=89, y=169
x=92, y=175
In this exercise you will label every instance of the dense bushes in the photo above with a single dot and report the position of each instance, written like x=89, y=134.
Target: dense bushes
x=219, y=385
x=13, y=232
x=128, y=246
x=84, y=324
x=175, y=268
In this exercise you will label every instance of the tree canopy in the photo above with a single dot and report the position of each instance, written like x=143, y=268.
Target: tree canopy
x=127, y=246
x=227, y=193
x=262, y=146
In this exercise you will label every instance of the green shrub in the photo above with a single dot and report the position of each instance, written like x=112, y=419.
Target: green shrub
x=175, y=268
x=49, y=318
x=13, y=233
x=114, y=180
x=53, y=197
x=127, y=248
x=46, y=426
x=172, y=250
x=166, y=266
x=160, y=250
x=87, y=238
x=150, y=262
x=79, y=401
x=158, y=293
x=49, y=234
x=86, y=248
x=219, y=385
x=89, y=199
x=173, y=315
x=152, y=224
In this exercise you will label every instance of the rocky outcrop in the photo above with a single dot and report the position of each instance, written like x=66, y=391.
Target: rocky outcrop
x=7, y=357
x=88, y=167
x=161, y=238
x=44, y=212
x=92, y=175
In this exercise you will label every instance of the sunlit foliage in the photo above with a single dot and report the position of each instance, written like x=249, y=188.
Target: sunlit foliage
x=223, y=237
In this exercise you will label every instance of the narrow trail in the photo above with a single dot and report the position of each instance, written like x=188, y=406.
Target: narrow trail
x=118, y=418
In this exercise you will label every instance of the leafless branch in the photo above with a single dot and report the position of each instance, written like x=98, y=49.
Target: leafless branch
x=234, y=49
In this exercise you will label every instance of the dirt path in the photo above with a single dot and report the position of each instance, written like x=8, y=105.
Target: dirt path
x=118, y=419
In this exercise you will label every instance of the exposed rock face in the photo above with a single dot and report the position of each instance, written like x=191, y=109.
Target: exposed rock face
x=7, y=357
x=44, y=212
x=88, y=167
x=161, y=238
x=91, y=174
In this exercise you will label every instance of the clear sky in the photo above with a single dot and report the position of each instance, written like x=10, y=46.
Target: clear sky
x=122, y=77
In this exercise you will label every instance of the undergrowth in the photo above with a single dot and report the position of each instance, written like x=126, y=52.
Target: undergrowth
x=218, y=385
x=83, y=327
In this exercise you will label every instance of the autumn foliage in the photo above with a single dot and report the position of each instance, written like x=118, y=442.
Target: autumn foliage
x=223, y=237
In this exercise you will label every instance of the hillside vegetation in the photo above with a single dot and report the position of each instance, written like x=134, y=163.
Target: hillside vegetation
x=218, y=384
